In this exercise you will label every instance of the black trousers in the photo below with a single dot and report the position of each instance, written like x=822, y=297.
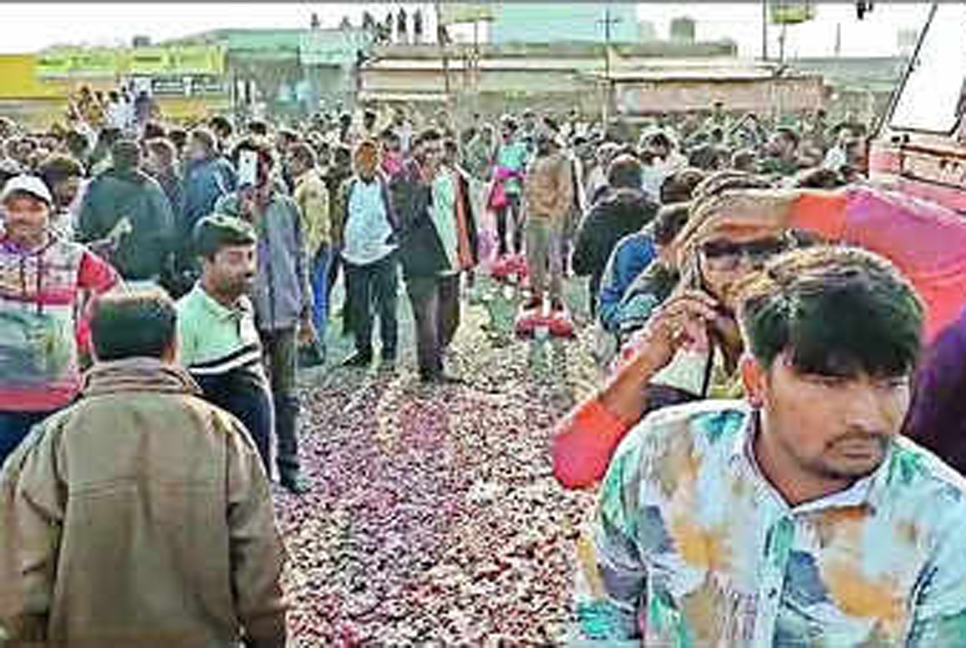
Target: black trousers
x=372, y=289
x=436, y=312
x=250, y=401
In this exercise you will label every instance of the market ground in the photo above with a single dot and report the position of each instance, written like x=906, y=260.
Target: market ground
x=434, y=518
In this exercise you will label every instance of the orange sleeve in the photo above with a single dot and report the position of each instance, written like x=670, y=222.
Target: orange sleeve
x=822, y=213
x=584, y=443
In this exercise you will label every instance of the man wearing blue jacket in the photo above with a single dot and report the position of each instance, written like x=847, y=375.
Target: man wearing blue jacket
x=282, y=296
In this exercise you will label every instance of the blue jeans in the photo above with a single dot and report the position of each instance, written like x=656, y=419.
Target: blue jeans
x=320, y=290
x=14, y=427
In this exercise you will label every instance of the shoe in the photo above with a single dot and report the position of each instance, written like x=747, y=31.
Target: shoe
x=387, y=363
x=294, y=483
x=358, y=360
x=533, y=303
x=440, y=379
x=311, y=356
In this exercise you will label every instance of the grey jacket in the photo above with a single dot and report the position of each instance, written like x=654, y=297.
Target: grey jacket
x=282, y=293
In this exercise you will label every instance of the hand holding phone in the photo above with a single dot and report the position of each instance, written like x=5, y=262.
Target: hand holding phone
x=247, y=168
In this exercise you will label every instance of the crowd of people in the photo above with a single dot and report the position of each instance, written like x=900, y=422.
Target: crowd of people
x=161, y=284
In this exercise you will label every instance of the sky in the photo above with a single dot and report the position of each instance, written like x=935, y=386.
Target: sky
x=32, y=27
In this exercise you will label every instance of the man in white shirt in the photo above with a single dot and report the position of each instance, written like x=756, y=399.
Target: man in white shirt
x=370, y=259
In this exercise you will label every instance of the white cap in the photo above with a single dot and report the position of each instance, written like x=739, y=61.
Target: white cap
x=26, y=184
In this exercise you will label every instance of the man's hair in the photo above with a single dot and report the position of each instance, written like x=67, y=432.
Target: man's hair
x=288, y=134
x=205, y=137
x=427, y=135
x=221, y=125
x=743, y=158
x=789, y=134
x=127, y=324
x=258, y=127
x=727, y=180
x=657, y=138
x=178, y=137
x=57, y=168
x=259, y=146
x=163, y=148
x=679, y=186
x=217, y=231
x=154, y=130
x=126, y=154
x=670, y=220
x=818, y=178
x=76, y=141
x=835, y=311
x=366, y=145
x=625, y=172
x=303, y=153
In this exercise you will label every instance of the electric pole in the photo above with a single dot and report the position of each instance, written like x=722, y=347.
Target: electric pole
x=764, y=30
x=609, y=98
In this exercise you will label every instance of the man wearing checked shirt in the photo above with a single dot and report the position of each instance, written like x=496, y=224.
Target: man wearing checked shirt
x=799, y=516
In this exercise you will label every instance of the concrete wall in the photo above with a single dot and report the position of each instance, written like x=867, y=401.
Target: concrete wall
x=765, y=95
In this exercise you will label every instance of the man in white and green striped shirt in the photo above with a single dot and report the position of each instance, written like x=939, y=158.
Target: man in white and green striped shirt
x=216, y=328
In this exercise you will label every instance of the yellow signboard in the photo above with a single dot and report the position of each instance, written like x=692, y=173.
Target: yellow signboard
x=791, y=12
x=70, y=63
x=19, y=74
x=144, y=61
x=199, y=59
x=148, y=60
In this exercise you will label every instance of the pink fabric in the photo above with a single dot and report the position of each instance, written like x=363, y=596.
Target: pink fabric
x=497, y=198
x=926, y=241
x=584, y=444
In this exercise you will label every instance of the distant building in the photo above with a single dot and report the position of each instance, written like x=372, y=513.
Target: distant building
x=563, y=22
x=682, y=30
x=646, y=31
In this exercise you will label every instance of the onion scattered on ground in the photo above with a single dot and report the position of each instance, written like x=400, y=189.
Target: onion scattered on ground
x=434, y=517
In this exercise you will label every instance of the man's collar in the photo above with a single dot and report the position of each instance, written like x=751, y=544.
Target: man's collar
x=305, y=175
x=217, y=308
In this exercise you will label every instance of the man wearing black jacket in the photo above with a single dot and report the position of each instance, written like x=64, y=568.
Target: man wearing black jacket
x=623, y=209
x=127, y=217
x=437, y=243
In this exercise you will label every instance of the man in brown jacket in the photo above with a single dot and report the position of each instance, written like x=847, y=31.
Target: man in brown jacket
x=548, y=194
x=141, y=515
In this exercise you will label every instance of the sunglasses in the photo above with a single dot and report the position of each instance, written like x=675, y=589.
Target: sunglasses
x=727, y=255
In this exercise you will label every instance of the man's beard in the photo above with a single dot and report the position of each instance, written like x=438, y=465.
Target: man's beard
x=884, y=443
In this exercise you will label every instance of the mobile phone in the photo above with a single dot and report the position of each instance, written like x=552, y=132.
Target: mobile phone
x=247, y=168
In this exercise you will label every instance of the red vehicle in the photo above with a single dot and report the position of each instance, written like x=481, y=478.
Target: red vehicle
x=920, y=145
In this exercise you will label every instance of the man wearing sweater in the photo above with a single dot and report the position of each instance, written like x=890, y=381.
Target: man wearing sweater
x=548, y=196
x=42, y=320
